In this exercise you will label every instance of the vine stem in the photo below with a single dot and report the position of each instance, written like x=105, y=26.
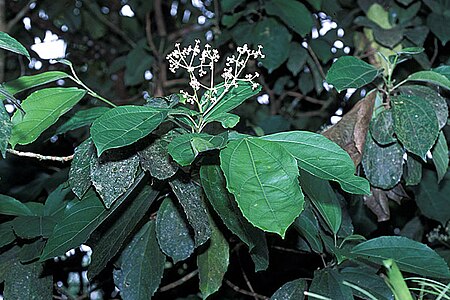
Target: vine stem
x=40, y=156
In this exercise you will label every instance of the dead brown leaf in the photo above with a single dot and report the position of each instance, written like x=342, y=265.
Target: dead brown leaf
x=378, y=201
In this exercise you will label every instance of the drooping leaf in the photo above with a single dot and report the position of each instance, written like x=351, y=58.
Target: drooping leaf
x=43, y=108
x=124, y=125
x=156, y=160
x=173, y=233
x=111, y=179
x=292, y=290
x=297, y=58
x=367, y=279
x=214, y=185
x=262, y=175
x=191, y=199
x=137, y=62
x=410, y=256
x=293, y=13
x=324, y=199
x=80, y=169
x=432, y=197
x=415, y=124
x=322, y=158
x=5, y=130
x=27, y=82
x=56, y=200
x=435, y=22
x=350, y=72
x=308, y=226
x=11, y=44
x=12, y=207
x=82, y=118
x=440, y=156
x=382, y=128
x=213, y=262
x=413, y=171
x=430, y=77
x=383, y=165
x=328, y=283
x=142, y=265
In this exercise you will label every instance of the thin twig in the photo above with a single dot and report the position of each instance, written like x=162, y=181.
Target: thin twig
x=247, y=281
x=301, y=96
x=179, y=281
x=244, y=292
x=40, y=156
x=162, y=32
x=316, y=61
x=435, y=53
x=19, y=16
x=159, y=67
x=288, y=250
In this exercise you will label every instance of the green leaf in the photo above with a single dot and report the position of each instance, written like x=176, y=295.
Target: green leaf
x=308, y=226
x=82, y=118
x=324, y=199
x=292, y=290
x=383, y=165
x=31, y=252
x=173, y=233
x=156, y=160
x=55, y=202
x=213, y=183
x=382, y=128
x=11, y=44
x=12, y=207
x=80, y=169
x=226, y=119
x=328, y=283
x=262, y=176
x=350, y=72
x=5, y=129
x=142, y=265
x=322, y=158
x=112, y=178
x=213, y=262
x=297, y=58
x=27, y=82
x=137, y=62
x=411, y=50
x=191, y=199
x=410, y=256
x=367, y=279
x=112, y=239
x=432, y=197
x=293, y=13
x=413, y=171
x=415, y=124
x=230, y=5
x=7, y=235
x=436, y=22
x=232, y=99
x=430, y=77
x=43, y=108
x=124, y=125
x=29, y=227
x=440, y=156
x=27, y=282
x=443, y=70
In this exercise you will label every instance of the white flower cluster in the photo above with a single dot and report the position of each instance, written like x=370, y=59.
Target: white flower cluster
x=199, y=63
x=439, y=234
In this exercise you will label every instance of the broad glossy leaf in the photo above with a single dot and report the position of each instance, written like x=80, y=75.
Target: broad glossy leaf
x=328, y=283
x=383, y=165
x=173, y=233
x=11, y=44
x=156, y=160
x=227, y=120
x=29, y=227
x=432, y=197
x=324, y=199
x=443, y=70
x=112, y=239
x=5, y=130
x=12, y=207
x=27, y=82
x=382, y=128
x=293, y=13
x=213, y=183
x=308, y=226
x=191, y=199
x=367, y=279
x=43, y=108
x=413, y=171
x=124, y=125
x=213, y=262
x=432, y=96
x=410, y=256
x=263, y=177
x=232, y=99
x=440, y=156
x=27, y=282
x=415, y=124
x=141, y=267
x=292, y=290
x=111, y=179
x=80, y=169
x=322, y=158
x=350, y=72
x=82, y=118
x=430, y=77
x=6, y=234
